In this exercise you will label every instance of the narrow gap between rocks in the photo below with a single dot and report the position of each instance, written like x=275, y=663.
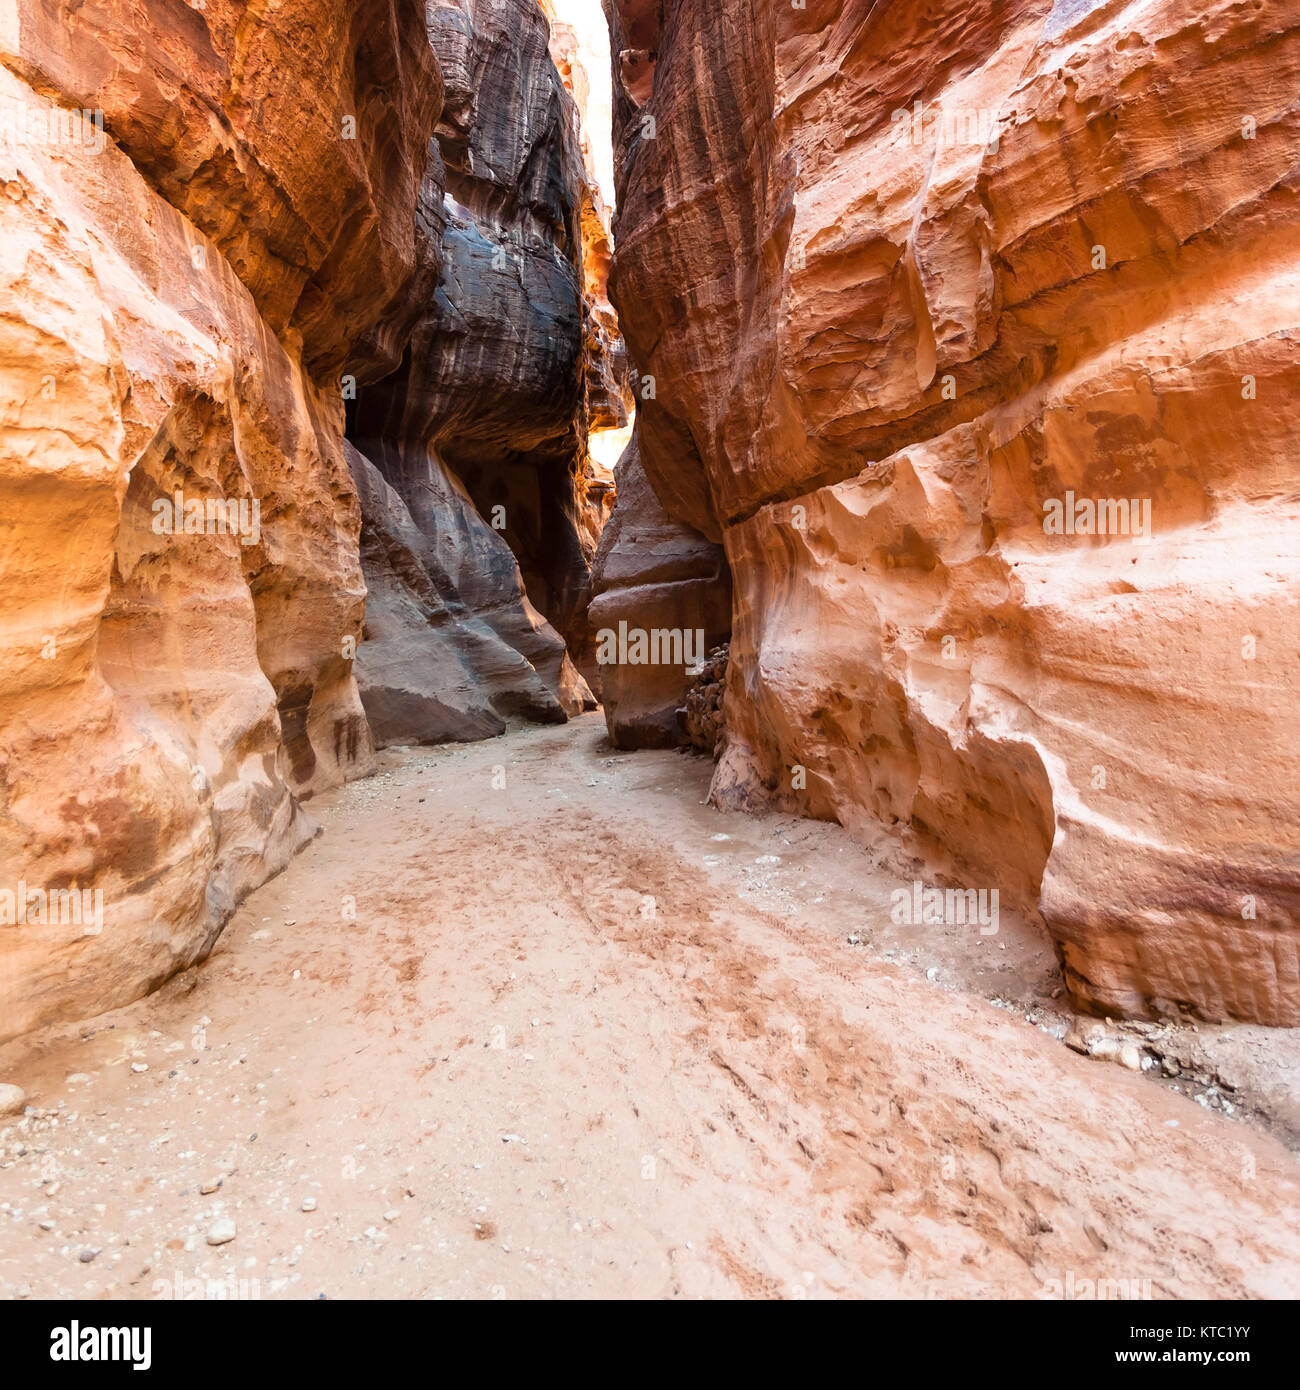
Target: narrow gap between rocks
x=525, y=860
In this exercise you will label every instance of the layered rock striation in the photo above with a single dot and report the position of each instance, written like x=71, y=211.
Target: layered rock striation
x=661, y=567
x=973, y=332
x=193, y=246
x=225, y=227
x=481, y=432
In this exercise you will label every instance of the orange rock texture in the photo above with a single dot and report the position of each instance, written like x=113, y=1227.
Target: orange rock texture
x=973, y=330
x=194, y=246
x=223, y=225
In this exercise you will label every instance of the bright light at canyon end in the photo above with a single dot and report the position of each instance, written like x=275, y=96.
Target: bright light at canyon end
x=607, y=446
x=587, y=20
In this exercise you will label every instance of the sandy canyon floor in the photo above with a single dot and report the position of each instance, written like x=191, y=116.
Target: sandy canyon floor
x=581, y=1035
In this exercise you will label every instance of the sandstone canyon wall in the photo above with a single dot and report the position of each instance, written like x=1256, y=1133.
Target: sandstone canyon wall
x=206, y=274
x=910, y=279
x=481, y=434
x=659, y=568
x=653, y=574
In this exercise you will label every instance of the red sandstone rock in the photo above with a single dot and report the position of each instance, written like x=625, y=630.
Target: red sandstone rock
x=291, y=138
x=886, y=345
x=195, y=279
x=198, y=281
x=171, y=692
x=653, y=574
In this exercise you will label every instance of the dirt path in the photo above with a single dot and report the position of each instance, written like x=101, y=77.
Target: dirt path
x=559, y=1039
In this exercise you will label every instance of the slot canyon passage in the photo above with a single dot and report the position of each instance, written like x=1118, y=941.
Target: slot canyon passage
x=649, y=649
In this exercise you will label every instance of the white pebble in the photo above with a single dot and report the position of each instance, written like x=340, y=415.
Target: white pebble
x=221, y=1232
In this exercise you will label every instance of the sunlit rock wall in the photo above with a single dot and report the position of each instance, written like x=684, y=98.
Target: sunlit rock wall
x=188, y=268
x=912, y=280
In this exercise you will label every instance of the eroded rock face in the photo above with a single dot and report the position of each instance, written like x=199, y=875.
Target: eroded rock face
x=290, y=135
x=184, y=274
x=481, y=432
x=204, y=279
x=660, y=565
x=432, y=669
x=653, y=574
x=959, y=268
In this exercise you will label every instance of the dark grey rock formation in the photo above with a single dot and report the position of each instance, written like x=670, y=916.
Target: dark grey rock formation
x=480, y=433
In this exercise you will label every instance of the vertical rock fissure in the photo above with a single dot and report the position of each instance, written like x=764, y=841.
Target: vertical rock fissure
x=480, y=439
